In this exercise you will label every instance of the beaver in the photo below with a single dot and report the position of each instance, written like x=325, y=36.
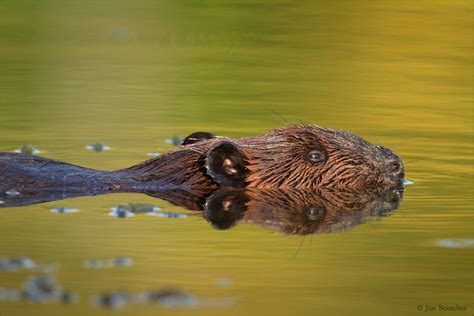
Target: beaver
x=301, y=157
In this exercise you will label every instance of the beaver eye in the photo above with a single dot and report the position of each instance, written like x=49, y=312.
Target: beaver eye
x=395, y=166
x=315, y=156
x=314, y=213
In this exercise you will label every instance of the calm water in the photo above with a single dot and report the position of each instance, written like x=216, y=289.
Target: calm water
x=131, y=74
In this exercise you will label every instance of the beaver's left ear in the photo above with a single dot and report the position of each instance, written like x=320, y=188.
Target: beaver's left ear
x=197, y=137
x=225, y=163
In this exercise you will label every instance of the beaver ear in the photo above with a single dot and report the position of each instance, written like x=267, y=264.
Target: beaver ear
x=197, y=137
x=225, y=163
x=225, y=207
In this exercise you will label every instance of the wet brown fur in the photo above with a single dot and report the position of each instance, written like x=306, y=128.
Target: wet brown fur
x=278, y=160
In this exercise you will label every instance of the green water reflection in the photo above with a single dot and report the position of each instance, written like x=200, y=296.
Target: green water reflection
x=131, y=74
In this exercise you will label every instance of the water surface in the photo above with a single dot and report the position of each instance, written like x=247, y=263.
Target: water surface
x=132, y=74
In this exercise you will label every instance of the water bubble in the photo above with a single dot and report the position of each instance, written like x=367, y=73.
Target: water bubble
x=153, y=154
x=93, y=264
x=16, y=263
x=68, y=297
x=98, y=147
x=113, y=300
x=168, y=214
x=40, y=289
x=175, y=299
x=121, y=261
x=455, y=243
x=27, y=149
x=131, y=209
x=175, y=140
x=62, y=209
x=121, y=212
x=168, y=298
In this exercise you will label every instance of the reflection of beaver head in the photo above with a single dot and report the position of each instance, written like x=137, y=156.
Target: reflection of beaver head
x=304, y=156
x=297, y=211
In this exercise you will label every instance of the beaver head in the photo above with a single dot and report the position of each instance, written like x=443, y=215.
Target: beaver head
x=304, y=156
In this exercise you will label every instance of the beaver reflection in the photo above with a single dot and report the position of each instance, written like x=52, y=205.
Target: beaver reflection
x=290, y=211
x=297, y=211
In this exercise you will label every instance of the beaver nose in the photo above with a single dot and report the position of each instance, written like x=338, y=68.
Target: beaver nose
x=401, y=173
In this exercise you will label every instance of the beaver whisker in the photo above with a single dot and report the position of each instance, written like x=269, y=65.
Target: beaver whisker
x=415, y=160
x=299, y=248
x=285, y=121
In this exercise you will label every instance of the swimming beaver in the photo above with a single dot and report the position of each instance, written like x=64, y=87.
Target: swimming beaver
x=302, y=156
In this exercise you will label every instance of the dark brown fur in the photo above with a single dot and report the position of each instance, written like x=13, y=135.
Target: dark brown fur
x=278, y=160
x=275, y=160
